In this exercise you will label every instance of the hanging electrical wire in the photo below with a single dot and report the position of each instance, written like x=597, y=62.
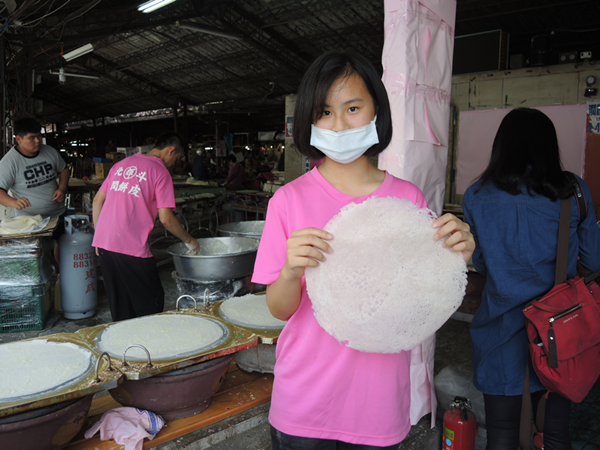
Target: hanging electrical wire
x=35, y=22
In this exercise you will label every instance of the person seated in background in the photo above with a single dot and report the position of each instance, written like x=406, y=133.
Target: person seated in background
x=235, y=178
x=201, y=166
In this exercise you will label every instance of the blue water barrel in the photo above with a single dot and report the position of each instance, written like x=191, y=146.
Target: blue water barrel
x=78, y=293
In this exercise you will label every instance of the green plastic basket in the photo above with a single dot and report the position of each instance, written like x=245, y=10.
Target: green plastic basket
x=26, y=313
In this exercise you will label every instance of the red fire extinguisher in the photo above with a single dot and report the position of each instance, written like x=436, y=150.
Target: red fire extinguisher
x=460, y=426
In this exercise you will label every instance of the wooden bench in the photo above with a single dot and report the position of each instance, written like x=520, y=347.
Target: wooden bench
x=239, y=392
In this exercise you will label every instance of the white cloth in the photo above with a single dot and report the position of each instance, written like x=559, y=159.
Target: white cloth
x=23, y=224
x=127, y=426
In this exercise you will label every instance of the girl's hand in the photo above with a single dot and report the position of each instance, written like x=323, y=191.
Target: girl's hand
x=460, y=238
x=305, y=248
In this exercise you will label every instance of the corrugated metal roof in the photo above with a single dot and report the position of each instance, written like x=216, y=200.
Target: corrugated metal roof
x=149, y=61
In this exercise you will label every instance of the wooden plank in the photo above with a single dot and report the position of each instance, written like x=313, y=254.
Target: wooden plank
x=101, y=405
x=222, y=407
x=240, y=392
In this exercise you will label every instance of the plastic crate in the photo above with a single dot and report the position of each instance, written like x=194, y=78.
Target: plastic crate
x=24, y=308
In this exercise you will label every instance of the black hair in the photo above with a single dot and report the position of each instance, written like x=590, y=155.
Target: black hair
x=525, y=152
x=26, y=125
x=315, y=86
x=170, y=139
x=232, y=158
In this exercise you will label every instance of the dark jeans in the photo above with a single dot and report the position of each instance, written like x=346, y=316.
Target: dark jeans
x=282, y=441
x=60, y=229
x=132, y=284
x=503, y=414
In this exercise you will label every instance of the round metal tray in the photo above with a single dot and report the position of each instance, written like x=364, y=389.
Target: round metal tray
x=248, y=228
x=66, y=383
x=241, y=322
x=148, y=344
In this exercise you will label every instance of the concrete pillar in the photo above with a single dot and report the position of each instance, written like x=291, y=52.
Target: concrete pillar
x=293, y=159
x=417, y=62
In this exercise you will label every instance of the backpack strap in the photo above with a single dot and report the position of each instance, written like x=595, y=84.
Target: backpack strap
x=579, y=195
x=526, y=428
x=562, y=251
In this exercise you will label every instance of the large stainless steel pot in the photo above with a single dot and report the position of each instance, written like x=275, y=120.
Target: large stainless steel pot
x=249, y=228
x=220, y=258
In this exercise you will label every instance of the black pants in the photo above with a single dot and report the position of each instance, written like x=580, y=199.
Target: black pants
x=133, y=286
x=282, y=441
x=503, y=414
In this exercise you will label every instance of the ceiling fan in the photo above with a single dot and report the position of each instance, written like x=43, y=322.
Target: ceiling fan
x=62, y=75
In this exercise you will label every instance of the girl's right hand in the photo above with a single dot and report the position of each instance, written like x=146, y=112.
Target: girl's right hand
x=305, y=248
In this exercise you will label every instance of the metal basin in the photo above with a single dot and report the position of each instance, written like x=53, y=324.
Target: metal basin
x=249, y=228
x=174, y=395
x=220, y=258
x=48, y=428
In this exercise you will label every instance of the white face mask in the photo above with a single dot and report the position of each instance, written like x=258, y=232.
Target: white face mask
x=344, y=146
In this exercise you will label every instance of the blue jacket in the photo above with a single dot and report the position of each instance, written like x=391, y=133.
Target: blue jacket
x=516, y=238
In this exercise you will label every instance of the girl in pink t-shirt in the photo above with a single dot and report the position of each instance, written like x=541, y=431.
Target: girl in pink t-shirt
x=327, y=395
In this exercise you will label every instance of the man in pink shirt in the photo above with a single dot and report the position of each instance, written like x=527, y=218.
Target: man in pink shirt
x=136, y=190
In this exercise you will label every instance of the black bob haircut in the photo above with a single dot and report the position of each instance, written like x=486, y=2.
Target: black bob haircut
x=525, y=153
x=170, y=139
x=232, y=158
x=26, y=125
x=315, y=86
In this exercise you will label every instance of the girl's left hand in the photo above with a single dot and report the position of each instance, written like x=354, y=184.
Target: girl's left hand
x=459, y=239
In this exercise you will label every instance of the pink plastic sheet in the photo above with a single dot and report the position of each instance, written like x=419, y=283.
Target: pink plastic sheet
x=417, y=62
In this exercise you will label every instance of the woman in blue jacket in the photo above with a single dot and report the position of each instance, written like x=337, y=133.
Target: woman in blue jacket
x=513, y=210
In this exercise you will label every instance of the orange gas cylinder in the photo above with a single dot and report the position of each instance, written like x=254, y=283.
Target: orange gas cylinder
x=460, y=426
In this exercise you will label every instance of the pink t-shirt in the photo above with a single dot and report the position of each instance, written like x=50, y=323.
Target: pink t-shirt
x=135, y=189
x=324, y=389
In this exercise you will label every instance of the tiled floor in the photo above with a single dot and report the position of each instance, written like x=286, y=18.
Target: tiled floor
x=585, y=422
x=453, y=347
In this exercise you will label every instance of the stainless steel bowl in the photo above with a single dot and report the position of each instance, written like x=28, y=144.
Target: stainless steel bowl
x=220, y=258
x=249, y=228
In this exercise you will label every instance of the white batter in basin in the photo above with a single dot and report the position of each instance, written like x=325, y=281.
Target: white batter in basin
x=166, y=336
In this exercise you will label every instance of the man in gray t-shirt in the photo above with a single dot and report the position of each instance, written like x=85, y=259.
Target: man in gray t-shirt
x=28, y=174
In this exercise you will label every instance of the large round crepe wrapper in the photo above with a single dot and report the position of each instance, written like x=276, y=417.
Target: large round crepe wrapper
x=250, y=311
x=165, y=336
x=387, y=285
x=35, y=368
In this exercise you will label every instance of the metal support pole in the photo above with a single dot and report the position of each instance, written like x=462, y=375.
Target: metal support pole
x=5, y=137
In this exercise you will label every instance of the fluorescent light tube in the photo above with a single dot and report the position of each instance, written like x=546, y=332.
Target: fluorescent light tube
x=78, y=52
x=209, y=30
x=153, y=5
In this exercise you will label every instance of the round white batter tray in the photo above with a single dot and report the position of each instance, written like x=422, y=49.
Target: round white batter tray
x=152, y=339
x=240, y=319
x=29, y=349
